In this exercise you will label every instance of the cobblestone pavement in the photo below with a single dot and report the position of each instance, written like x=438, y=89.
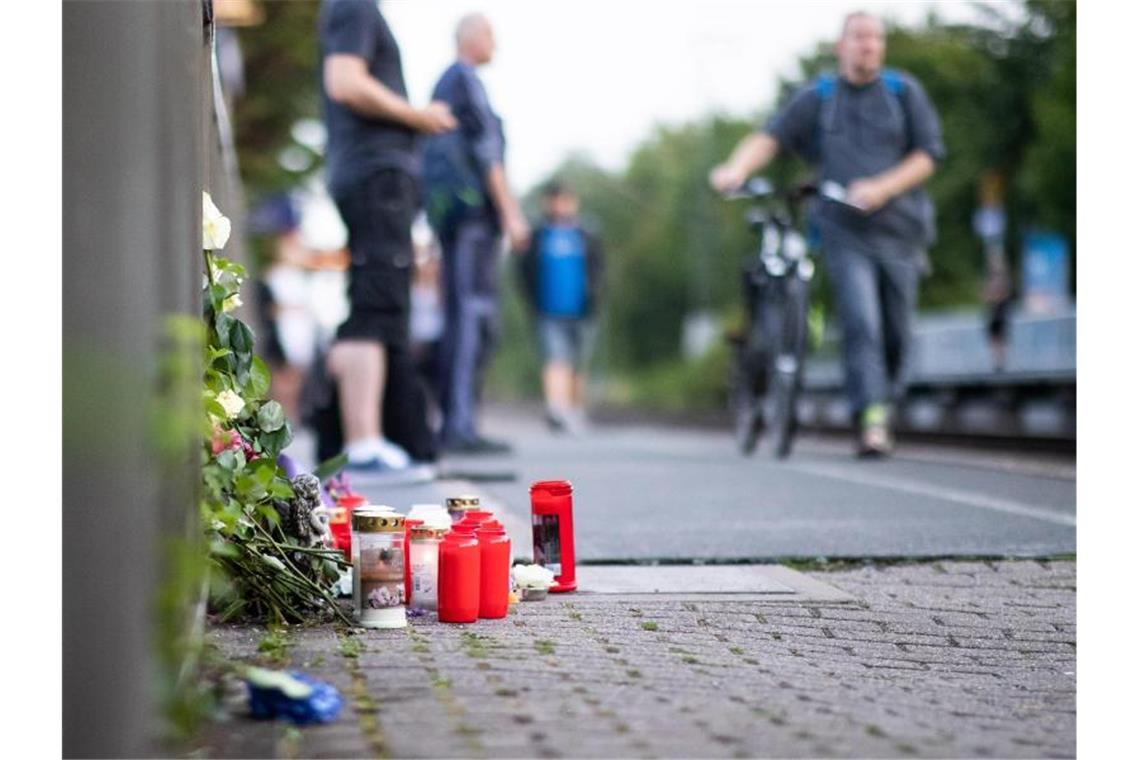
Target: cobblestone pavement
x=945, y=659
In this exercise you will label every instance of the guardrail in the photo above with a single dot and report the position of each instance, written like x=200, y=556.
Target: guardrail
x=954, y=388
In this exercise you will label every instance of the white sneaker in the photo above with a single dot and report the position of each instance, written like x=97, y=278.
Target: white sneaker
x=392, y=455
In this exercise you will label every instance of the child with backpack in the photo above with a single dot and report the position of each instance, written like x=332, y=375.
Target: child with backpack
x=562, y=275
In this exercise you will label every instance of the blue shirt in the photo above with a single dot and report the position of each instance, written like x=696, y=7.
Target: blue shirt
x=562, y=272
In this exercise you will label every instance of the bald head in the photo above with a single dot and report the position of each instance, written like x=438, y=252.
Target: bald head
x=861, y=47
x=474, y=39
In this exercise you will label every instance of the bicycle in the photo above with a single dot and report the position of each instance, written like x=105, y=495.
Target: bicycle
x=767, y=371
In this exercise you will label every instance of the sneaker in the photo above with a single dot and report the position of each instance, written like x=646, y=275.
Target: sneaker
x=555, y=422
x=576, y=422
x=476, y=446
x=393, y=455
x=875, y=433
x=377, y=472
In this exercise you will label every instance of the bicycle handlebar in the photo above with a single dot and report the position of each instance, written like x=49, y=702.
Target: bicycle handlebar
x=759, y=187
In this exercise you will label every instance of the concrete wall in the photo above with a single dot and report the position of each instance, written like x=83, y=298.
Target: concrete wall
x=133, y=160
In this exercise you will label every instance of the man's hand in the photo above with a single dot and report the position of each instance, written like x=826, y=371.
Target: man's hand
x=435, y=118
x=870, y=194
x=727, y=177
x=518, y=231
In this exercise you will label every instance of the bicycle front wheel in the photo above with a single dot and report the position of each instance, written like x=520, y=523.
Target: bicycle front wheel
x=787, y=367
x=744, y=403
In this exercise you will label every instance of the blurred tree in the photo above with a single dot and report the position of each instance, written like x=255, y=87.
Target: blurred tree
x=1006, y=93
x=281, y=71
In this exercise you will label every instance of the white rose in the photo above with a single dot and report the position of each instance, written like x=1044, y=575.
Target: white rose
x=215, y=225
x=232, y=302
x=532, y=576
x=231, y=402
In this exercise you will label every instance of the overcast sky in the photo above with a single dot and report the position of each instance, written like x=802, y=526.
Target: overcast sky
x=595, y=76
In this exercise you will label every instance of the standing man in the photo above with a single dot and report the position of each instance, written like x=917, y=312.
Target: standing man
x=876, y=132
x=562, y=275
x=372, y=173
x=469, y=205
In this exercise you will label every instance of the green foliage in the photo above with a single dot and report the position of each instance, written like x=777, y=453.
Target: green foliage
x=281, y=60
x=262, y=573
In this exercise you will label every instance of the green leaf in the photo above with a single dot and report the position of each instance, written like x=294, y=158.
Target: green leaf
x=280, y=489
x=228, y=460
x=265, y=471
x=271, y=416
x=223, y=325
x=259, y=378
x=330, y=467
x=241, y=337
x=241, y=341
x=213, y=407
x=273, y=443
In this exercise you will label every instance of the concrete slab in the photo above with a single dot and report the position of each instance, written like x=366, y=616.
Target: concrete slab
x=742, y=582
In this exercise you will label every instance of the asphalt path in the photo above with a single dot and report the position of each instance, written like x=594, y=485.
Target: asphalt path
x=646, y=492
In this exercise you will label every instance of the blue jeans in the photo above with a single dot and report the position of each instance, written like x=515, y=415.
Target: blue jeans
x=471, y=302
x=876, y=294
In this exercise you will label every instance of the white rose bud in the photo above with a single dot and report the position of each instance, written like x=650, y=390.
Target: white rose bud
x=215, y=225
x=231, y=402
x=231, y=303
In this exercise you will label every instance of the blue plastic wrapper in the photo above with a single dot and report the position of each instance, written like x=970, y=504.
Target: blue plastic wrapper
x=319, y=703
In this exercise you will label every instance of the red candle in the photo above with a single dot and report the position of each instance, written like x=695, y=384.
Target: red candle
x=459, y=565
x=494, y=569
x=552, y=518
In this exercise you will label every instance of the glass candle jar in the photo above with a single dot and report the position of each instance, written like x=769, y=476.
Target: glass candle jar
x=378, y=568
x=425, y=567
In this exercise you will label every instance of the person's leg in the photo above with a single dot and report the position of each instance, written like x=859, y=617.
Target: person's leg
x=405, y=406
x=461, y=333
x=855, y=289
x=898, y=294
x=558, y=386
x=585, y=333
x=378, y=214
x=557, y=371
x=358, y=368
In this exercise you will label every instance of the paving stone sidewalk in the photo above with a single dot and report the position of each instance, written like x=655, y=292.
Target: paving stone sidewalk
x=945, y=659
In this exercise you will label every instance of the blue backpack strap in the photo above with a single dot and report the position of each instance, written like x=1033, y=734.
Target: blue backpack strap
x=894, y=82
x=825, y=86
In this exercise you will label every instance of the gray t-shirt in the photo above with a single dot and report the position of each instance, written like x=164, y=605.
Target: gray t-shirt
x=859, y=131
x=360, y=145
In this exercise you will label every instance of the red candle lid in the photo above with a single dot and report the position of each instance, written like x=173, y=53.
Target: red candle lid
x=555, y=487
x=490, y=527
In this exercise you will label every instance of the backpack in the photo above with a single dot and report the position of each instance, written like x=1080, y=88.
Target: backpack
x=825, y=86
x=451, y=182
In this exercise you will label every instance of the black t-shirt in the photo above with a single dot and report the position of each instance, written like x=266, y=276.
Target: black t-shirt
x=360, y=145
x=859, y=131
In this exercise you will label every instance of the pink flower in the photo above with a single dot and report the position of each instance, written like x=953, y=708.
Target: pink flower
x=224, y=440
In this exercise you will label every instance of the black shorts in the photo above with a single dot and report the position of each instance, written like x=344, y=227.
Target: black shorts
x=378, y=213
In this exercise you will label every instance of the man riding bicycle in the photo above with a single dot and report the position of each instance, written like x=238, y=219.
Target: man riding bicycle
x=876, y=132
